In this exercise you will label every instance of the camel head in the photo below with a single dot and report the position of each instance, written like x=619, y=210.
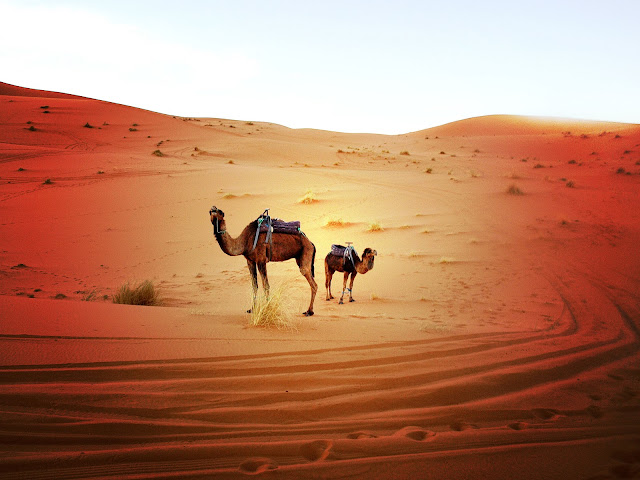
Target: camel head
x=216, y=216
x=368, y=256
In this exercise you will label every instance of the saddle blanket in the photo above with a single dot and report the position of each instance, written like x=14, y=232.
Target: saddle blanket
x=280, y=226
x=340, y=250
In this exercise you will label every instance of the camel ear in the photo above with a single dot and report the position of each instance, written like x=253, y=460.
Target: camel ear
x=375, y=252
x=221, y=213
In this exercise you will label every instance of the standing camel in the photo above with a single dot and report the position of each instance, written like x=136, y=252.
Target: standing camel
x=265, y=247
x=341, y=260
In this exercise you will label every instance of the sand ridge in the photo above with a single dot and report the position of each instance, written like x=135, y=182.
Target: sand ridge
x=498, y=335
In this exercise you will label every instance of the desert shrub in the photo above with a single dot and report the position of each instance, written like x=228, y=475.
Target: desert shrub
x=144, y=293
x=405, y=152
x=88, y=125
x=336, y=223
x=308, y=198
x=514, y=190
x=276, y=310
x=157, y=153
x=571, y=184
x=375, y=227
x=48, y=181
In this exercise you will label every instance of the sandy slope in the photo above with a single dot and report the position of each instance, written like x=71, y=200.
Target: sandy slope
x=496, y=337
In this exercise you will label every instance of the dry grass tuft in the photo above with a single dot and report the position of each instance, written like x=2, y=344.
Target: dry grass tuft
x=375, y=227
x=308, y=198
x=445, y=260
x=514, y=190
x=277, y=310
x=144, y=293
x=336, y=223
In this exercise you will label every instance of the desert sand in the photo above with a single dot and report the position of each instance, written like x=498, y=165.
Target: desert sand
x=498, y=335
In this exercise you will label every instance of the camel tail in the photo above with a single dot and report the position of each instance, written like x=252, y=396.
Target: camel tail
x=313, y=262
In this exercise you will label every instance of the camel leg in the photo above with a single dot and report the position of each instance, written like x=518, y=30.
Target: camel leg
x=353, y=277
x=306, y=273
x=344, y=287
x=262, y=268
x=254, y=281
x=328, y=276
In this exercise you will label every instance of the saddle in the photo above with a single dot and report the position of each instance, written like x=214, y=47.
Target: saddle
x=346, y=252
x=269, y=225
x=280, y=226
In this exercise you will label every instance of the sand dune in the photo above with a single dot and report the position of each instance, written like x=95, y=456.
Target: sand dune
x=498, y=335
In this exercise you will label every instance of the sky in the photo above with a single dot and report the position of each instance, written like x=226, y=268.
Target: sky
x=352, y=66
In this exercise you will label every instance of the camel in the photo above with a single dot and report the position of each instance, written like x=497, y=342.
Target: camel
x=279, y=248
x=351, y=265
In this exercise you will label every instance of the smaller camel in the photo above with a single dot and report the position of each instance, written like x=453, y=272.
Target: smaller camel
x=346, y=260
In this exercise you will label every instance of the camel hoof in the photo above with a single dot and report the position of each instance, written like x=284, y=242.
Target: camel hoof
x=249, y=311
x=351, y=300
x=341, y=302
x=308, y=313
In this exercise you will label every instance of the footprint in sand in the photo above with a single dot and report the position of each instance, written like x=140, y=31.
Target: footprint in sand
x=254, y=466
x=461, y=425
x=415, y=433
x=317, y=450
x=545, y=413
x=518, y=426
x=363, y=434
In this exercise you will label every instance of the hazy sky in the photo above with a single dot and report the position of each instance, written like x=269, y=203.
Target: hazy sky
x=354, y=66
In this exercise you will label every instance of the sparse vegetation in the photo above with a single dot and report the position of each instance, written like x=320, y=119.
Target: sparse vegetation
x=308, y=198
x=276, y=310
x=428, y=170
x=621, y=171
x=88, y=125
x=48, y=181
x=572, y=162
x=375, y=227
x=131, y=129
x=571, y=184
x=91, y=296
x=144, y=293
x=405, y=152
x=538, y=165
x=60, y=296
x=32, y=128
x=158, y=153
x=336, y=223
x=514, y=190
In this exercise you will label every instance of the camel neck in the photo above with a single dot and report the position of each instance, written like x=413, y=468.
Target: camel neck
x=362, y=266
x=229, y=245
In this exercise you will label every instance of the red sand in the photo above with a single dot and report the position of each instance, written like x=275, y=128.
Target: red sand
x=496, y=337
